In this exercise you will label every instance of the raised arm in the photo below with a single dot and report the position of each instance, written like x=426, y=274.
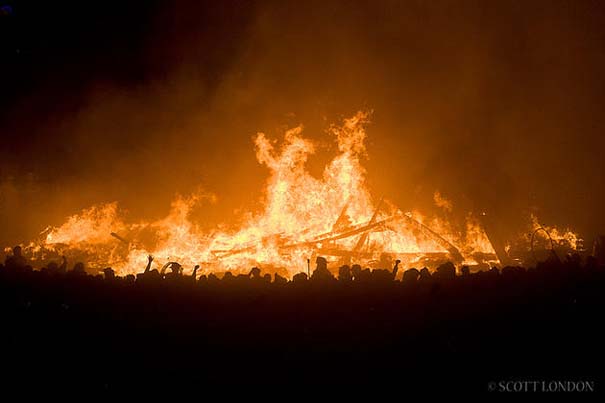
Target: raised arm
x=395, y=268
x=149, y=260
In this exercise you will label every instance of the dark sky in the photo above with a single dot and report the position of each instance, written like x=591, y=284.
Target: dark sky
x=497, y=104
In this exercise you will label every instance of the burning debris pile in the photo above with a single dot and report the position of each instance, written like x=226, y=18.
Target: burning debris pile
x=303, y=217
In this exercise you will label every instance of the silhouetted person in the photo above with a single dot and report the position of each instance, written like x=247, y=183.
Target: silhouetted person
x=154, y=275
x=130, y=279
x=365, y=275
x=176, y=271
x=410, y=276
x=445, y=271
x=254, y=273
x=16, y=260
x=149, y=275
x=109, y=274
x=344, y=273
x=52, y=268
x=425, y=276
x=321, y=271
x=78, y=270
x=279, y=279
x=300, y=278
x=359, y=274
x=382, y=275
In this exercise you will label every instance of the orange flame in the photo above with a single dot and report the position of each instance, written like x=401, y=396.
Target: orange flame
x=303, y=216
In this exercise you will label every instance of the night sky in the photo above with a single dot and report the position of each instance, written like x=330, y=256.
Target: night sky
x=497, y=104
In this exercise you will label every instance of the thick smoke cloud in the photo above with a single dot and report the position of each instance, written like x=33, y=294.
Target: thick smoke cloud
x=496, y=104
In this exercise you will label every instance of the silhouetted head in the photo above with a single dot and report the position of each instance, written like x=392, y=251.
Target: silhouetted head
x=425, y=273
x=255, y=272
x=176, y=268
x=410, y=276
x=300, y=277
x=279, y=279
x=446, y=271
x=79, y=268
x=109, y=273
x=345, y=268
x=321, y=262
x=356, y=270
x=17, y=250
x=344, y=272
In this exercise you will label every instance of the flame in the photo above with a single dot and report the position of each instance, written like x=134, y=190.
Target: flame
x=303, y=217
x=92, y=226
x=565, y=237
x=442, y=202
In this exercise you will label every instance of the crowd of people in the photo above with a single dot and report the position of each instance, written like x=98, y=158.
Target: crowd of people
x=403, y=328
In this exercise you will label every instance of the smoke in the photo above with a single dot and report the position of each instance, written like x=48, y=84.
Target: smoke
x=498, y=106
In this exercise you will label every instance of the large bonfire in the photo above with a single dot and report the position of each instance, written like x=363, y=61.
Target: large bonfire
x=303, y=217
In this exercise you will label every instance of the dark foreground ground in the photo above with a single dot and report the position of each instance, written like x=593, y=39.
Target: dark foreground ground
x=467, y=334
